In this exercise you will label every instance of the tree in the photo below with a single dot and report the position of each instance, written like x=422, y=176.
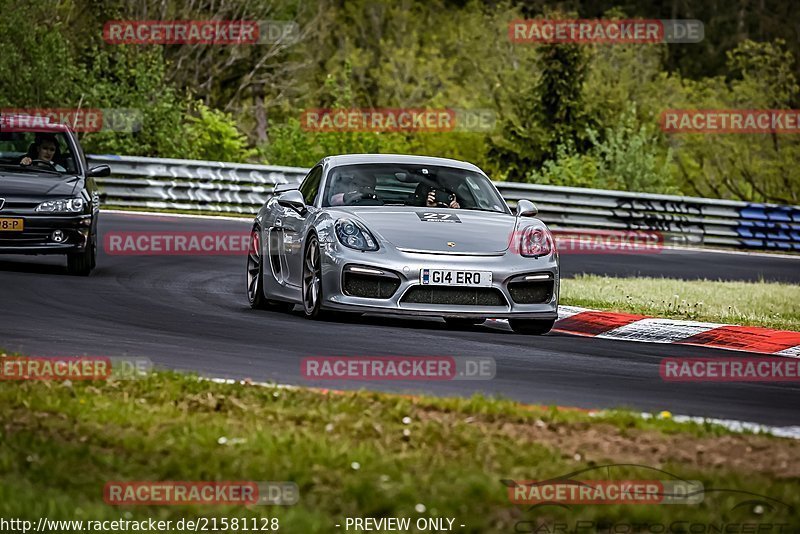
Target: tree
x=548, y=115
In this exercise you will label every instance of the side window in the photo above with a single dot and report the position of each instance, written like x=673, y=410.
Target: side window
x=310, y=185
x=67, y=157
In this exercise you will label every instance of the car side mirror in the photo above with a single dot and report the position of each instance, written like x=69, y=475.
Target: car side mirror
x=99, y=171
x=294, y=200
x=526, y=208
x=282, y=188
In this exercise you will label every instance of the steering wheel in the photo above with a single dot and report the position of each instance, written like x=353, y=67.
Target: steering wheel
x=50, y=163
x=355, y=197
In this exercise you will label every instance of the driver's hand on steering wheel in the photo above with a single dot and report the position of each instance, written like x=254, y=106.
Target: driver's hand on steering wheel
x=26, y=161
x=355, y=196
x=431, y=201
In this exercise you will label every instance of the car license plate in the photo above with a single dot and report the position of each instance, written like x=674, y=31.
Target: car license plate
x=12, y=225
x=441, y=277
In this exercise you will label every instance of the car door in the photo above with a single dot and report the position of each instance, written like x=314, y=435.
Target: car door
x=293, y=227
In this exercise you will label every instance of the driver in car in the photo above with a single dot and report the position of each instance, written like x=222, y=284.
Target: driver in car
x=44, y=148
x=354, y=189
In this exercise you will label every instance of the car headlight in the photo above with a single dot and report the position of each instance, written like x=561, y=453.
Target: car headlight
x=534, y=242
x=353, y=234
x=64, y=205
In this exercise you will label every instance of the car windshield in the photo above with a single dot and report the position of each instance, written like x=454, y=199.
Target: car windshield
x=45, y=153
x=410, y=185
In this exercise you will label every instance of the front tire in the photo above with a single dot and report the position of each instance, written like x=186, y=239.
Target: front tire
x=312, y=279
x=533, y=327
x=82, y=263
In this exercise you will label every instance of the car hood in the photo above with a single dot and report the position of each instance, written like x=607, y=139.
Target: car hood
x=432, y=229
x=24, y=185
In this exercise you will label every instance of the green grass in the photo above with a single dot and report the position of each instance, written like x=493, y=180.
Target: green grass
x=354, y=454
x=767, y=304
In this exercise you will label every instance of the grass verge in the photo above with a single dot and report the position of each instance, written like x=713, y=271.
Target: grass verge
x=767, y=304
x=362, y=455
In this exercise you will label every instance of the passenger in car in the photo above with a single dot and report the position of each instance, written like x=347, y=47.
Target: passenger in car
x=426, y=195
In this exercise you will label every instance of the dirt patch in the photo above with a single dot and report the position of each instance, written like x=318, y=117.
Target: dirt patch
x=606, y=443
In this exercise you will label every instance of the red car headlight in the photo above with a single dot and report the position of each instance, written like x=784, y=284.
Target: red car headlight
x=535, y=242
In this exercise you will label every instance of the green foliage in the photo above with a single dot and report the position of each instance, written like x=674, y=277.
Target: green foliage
x=631, y=156
x=125, y=77
x=214, y=136
x=551, y=115
x=628, y=156
x=762, y=74
x=568, y=168
x=561, y=104
x=35, y=55
x=756, y=167
x=291, y=145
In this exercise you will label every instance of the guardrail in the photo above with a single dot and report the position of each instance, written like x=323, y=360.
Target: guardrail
x=242, y=188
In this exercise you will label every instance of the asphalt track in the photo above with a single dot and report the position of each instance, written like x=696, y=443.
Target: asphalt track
x=190, y=313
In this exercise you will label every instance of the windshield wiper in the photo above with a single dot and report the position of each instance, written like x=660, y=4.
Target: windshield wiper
x=30, y=168
x=483, y=209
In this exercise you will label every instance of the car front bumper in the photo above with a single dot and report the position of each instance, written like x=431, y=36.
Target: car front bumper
x=408, y=265
x=36, y=237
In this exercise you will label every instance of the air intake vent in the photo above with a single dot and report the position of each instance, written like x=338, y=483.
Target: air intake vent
x=455, y=296
x=369, y=286
x=531, y=291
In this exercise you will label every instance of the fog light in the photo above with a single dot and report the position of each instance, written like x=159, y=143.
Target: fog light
x=58, y=236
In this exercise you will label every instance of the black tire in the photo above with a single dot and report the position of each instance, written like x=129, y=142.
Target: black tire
x=82, y=263
x=94, y=249
x=255, y=279
x=458, y=323
x=312, y=279
x=534, y=327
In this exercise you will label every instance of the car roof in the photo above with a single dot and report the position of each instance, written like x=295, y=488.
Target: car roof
x=355, y=159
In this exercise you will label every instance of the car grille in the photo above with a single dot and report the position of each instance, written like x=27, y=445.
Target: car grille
x=24, y=238
x=15, y=207
x=455, y=296
x=369, y=286
x=535, y=292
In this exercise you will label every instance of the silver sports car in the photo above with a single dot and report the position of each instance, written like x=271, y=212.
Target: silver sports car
x=407, y=235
